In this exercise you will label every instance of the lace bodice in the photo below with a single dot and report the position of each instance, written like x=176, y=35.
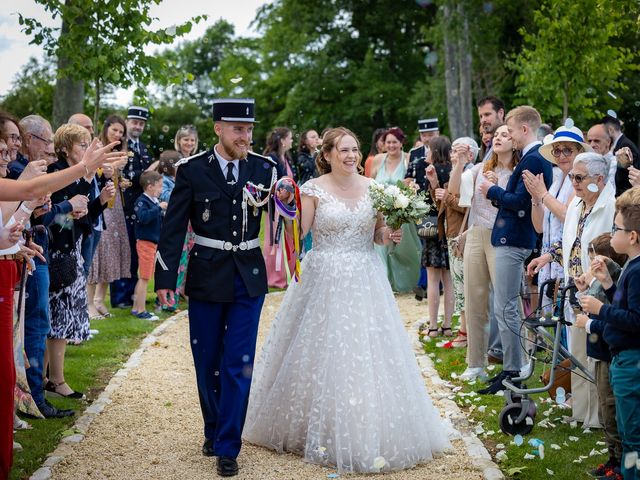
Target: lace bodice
x=341, y=225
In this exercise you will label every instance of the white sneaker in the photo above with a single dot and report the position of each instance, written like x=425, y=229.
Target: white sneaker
x=472, y=373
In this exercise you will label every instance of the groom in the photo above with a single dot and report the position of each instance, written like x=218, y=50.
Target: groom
x=226, y=275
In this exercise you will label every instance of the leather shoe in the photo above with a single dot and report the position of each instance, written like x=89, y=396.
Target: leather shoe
x=227, y=466
x=207, y=448
x=49, y=411
x=493, y=359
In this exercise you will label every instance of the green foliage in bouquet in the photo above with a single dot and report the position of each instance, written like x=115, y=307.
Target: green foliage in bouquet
x=398, y=203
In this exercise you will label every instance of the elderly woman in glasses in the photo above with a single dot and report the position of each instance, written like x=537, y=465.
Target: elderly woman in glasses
x=549, y=207
x=588, y=215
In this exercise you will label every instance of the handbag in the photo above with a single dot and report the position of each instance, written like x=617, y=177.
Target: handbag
x=428, y=228
x=457, y=243
x=562, y=377
x=63, y=268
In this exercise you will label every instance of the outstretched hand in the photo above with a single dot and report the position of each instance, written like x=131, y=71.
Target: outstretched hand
x=94, y=156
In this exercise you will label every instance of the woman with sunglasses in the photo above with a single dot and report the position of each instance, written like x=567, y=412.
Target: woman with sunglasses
x=549, y=207
x=589, y=214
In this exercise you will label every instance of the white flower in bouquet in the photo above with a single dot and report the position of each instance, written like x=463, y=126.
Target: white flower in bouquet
x=402, y=201
x=392, y=191
x=421, y=205
x=377, y=186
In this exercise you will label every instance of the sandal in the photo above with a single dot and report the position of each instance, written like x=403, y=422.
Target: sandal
x=445, y=329
x=429, y=332
x=52, y=389
x=102, y=310
x=460, y=340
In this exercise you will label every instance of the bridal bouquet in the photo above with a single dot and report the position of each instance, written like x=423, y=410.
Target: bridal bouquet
x=398, y=203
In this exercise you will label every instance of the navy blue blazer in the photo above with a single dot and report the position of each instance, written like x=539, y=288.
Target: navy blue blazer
x=513, y=226
x=148, y=219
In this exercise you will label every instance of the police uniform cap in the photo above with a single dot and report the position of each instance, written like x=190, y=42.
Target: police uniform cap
x=140, y=113
x=428, y=125
x=234, y=110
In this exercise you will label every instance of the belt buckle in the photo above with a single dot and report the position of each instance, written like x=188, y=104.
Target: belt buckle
x=243, y=246
x=228, y=245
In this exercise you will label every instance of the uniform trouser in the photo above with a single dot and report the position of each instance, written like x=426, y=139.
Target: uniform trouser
x=479, y=274
x=509, y=267
x=607, y=409
x=122, y=290
x=625, y=378
x=223, y=343
x=36, y=327
x=8, y=278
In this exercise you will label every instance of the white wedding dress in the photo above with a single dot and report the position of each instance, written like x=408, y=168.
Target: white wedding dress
x=337, y=381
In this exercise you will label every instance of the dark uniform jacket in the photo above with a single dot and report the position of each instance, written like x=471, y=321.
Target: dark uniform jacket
x=201, y=196
x=622, y=174
x=137, y=164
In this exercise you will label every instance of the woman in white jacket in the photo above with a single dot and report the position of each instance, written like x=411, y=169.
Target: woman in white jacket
x=589, y=214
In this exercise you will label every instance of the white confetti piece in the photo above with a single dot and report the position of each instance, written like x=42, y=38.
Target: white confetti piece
x=528, y=456
x=555, y=446
x=573, y=439
x=379, y=462
x=501, y=456
x=549, y=471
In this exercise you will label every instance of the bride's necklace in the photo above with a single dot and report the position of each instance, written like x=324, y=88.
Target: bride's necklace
x=344, y=187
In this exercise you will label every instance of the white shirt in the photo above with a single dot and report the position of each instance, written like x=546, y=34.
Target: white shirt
x=224, y=162
x=526, y=149
x=15, y=248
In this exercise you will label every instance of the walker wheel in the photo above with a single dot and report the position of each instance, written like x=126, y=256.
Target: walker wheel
x=509, y=416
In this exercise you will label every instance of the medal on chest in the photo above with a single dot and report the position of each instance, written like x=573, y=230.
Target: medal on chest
x=207, y=212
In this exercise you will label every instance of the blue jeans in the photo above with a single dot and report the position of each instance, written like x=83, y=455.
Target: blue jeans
x=506, y=301
x=624, y=375
x=36, y=327
x=88, y=250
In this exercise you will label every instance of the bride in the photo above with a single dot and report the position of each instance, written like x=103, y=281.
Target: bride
x=337, y=381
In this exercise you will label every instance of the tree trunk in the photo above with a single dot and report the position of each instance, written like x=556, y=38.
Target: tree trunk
x=68, y=96
x=464, y=51
x=565, y=102
x=451, y=74
x=96, y=107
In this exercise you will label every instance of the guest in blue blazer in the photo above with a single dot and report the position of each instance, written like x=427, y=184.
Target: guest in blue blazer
x=514, y=237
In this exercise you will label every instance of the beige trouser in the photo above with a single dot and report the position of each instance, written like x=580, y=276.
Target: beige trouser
x=584, y=395
x=479, y=274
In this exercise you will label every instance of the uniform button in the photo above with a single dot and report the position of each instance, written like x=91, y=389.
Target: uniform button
x=234, y=217
x=234, y=202
x=235, y=234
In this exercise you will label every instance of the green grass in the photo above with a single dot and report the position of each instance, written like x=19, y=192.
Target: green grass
x=88, y=368
x=561, y=462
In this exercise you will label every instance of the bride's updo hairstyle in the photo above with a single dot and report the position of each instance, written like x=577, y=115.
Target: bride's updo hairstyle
x=330, y=140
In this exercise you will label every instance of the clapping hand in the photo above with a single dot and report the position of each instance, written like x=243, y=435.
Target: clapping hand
x=442, y=194
x=581, y=320
x=600, y=271
x=534, y=185
x=79, y=204
x=9, y=236
x=432, y=176
x=634, y=176
x=33, y=169
x=590, y=305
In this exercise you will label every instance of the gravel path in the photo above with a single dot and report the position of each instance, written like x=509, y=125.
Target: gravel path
x=153, y=428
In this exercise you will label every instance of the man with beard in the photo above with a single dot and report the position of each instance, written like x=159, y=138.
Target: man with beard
x=139, y=161
x=491, y=115
x=220, y=193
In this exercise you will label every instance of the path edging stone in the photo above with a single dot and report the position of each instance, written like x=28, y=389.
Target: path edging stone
x=82, y=424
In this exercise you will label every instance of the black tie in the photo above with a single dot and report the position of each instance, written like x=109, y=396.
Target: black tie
x=231, y=180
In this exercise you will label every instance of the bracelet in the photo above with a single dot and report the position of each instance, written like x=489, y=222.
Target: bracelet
x=536, y=204
x=25, y=209
x=86, y=169
x=543, y=197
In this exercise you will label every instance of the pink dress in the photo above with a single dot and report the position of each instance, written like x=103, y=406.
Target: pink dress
x=276, y=279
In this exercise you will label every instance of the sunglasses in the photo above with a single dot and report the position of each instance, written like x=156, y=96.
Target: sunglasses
x=577, y=177
x=566, y=151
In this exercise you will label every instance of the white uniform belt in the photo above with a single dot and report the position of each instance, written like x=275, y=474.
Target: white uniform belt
x=222, y=245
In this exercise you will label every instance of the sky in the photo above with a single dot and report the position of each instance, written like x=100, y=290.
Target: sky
x=15, y=49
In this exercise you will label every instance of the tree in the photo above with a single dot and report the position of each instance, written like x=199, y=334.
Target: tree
x=569, y=65
x=31, y=90
x=104, y=42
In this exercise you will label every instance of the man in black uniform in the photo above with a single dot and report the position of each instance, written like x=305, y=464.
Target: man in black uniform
x=416, y=170
x=428, y=129
x=139, y=160
x=220, y=193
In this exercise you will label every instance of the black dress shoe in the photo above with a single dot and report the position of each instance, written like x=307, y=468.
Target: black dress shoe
x=49, y=411
x=207, y=448
x=227, y=466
